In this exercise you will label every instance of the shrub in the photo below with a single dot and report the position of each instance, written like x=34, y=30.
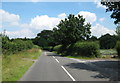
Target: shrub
x=88, y=49
x=36, y=46
x=107, y=41
x=9, y=47
x=118, y=48
x=57, y=48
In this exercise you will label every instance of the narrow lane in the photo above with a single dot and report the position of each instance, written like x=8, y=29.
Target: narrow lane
x=51, y=67
x=46, y=69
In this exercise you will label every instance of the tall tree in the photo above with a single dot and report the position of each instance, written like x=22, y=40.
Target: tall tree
x=45, y=39
x=114, y=7
x=71, y=30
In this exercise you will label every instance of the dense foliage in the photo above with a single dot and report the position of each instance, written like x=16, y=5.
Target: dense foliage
x=71, y=30
x=15, y=45
x=68, y=31
x=57, y=48
x=86, y=49
x=118, y=48
x=107, y=41
x=45, y=39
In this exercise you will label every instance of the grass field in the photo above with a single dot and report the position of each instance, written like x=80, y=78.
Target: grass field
x=108, y=52
x=14, y=66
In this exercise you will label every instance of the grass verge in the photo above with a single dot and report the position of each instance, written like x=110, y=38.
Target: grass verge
x=14, y=66
x=0, y=68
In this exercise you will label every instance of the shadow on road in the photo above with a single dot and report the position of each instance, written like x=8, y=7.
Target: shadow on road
x=106, y=69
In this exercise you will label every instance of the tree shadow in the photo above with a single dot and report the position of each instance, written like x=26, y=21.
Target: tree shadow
x=106, y=69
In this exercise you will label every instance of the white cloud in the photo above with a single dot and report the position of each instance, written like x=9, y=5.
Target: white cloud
x=62, y=16
x=38, y=23
x=7, y=17
x=99, y=30
x=44, y=22
x=89, y=17
x=12, y=20
x=21, y=33
x=102, y=19
x=98, y=3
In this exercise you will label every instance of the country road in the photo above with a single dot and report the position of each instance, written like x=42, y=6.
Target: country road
x=51, y=67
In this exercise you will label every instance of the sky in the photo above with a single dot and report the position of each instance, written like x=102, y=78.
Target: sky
x=27, y=19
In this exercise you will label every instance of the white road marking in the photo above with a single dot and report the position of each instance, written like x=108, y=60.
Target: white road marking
x=68, y=74
x=53, y=57
x=57, y=60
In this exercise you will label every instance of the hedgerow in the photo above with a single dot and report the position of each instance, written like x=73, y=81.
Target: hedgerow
x=88, y=49
x=14, y=46
x=57, y=48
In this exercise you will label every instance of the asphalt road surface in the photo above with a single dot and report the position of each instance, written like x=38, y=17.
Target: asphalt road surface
x=51, y=67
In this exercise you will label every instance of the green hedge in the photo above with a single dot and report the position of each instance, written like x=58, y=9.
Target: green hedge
x=57, y=48
x=88, y=49
x=118, y=48
x=14, y=46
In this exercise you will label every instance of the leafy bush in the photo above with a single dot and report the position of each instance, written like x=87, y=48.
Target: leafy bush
x=36, y=46
x=118, y=48
x=88, y=49
x=14, y=46
x=107, y=41
x=57, y=48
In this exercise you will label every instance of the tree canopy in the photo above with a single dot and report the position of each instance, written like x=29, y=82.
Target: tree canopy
x=114, y=7
x=71, y=30
x=107, y=41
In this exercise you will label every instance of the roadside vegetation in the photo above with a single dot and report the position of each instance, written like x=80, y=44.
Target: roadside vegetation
x=0, y=68
x=72, y=38
x=118, y=48
x=17, y=57
x=14, y=66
